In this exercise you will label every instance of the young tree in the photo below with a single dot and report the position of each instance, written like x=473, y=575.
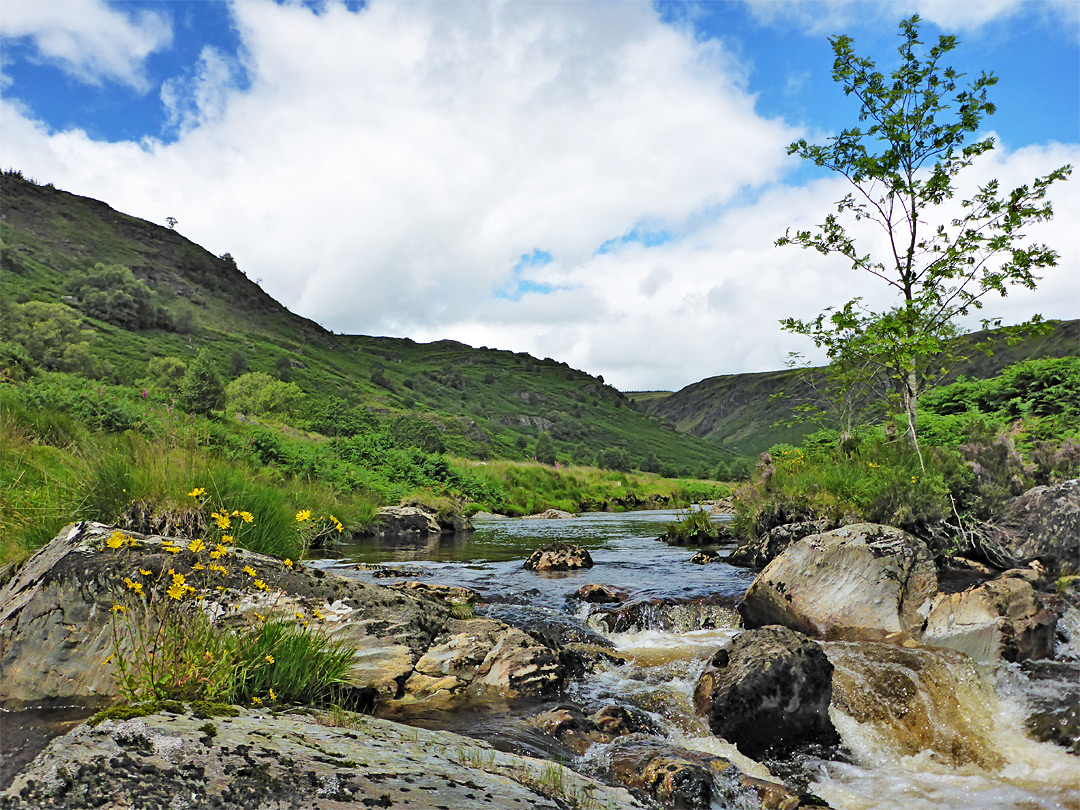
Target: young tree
x=202, y=390
x=943, y=257
x=545, y=449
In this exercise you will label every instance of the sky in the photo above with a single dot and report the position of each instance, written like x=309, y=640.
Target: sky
x=597, y=182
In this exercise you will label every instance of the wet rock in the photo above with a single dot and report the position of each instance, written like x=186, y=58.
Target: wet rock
x=671, y=615
x=1055, y=703
x=259, y=760
x=580, y=648
x=1044, y=522
x=551, y=514
x=600, y=594
x=579, y=732
x=757, y=552
x=863, y=581
x=768, y=693
x=997, y=620
x=394, y=520
x=559, y=557
x=706, y=556
x=691, y=780
x=388, y=571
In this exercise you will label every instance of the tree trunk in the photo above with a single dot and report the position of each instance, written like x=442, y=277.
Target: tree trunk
x=911, y=402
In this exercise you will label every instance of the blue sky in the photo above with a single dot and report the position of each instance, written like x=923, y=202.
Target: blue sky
x=597, y=182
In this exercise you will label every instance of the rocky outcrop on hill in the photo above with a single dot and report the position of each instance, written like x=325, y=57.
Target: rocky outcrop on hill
x=768, y=693
x=998, y=620
x=1044, y=522
x=55, y=617
x=268, y=760
x=863, y=581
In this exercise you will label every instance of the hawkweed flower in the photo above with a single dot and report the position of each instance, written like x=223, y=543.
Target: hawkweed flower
x=262, y=586
x=259, y=616
x=247, y=517
x=269, y=659
x=134, y=586
x=272, y=695
x=221, y=519
x=337, y=524
x=196, y=545
x=144, y=572
x=198, y=492
x=118, y=608
x=198, y=567
x=288, y=563
x=249, y=571
x=220, y=550
x=256, y=700
x=302, y=515
x=116, y=539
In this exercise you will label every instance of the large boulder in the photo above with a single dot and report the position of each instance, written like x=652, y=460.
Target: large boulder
x=259, y=759
x=396, y=520
x=998, y=620
x=768, y=693
x=863, y=581
x=559, y=557
x=1044, y=522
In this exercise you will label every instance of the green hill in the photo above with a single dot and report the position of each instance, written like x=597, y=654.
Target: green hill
x=480, y=403
x=748, y=413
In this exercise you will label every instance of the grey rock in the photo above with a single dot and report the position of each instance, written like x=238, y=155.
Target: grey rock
x=559, y=557
x=1044, y=522
x=858, y=582
x=757, y=552
x=768, y=693
x=267, y=761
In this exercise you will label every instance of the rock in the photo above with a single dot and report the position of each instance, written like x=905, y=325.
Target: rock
x=550, y=514
x=1054, y=702
x=673, y=615
x=706, y=556
x=757, y=552
x=862, y=581
x=264, y=760
x=55, y=609
x=404, y=520
x=692, y=780
x=601, y=594
x=559, y=557
x=997, y=620
x=579, y=732
x=768, y=693
x=1044, y=522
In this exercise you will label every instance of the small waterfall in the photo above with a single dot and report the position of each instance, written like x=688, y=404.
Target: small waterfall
x=928, y=729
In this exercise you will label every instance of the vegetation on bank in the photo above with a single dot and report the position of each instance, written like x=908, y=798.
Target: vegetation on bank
x=984, y=442
x=79, y=449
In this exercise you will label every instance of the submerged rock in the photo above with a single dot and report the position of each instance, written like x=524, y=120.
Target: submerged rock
x=550, y=514
x=579, y=732
x=263, y=760
x=863, y=581
x=670, y=614
x=997, y=620
x=768, y=693
x=559, y=557
x=601, y=594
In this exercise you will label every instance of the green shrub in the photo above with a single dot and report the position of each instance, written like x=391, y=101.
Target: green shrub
x=201, y=390
x=259, y=394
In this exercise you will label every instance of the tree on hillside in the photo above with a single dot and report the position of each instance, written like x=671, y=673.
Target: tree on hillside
x=52, y=335
x=943, y=257
x=545, y=449
x=202, y=390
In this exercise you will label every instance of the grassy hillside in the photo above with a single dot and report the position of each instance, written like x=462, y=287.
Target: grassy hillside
x=748, y=413
x=480, y=402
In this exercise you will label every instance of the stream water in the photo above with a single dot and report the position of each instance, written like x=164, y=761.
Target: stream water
x=921, y=729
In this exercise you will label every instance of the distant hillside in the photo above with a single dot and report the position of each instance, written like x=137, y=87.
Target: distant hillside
x=484, y=402
x=740, y=412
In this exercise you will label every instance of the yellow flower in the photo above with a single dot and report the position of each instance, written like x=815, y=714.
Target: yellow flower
x=260, y=585
x=299, y=615
x=176, y=592
x=259, y=616
x=221, y=519
x=196, y=545
x=118, y=608
x=872, y=465
x=272, y=695
x=316, y=614
x=302, y=515
x=198, y=567
x=220, y=550
x=247, y=517
x=144, y=572
x=249, y=571
x=173, y=549
x=288, y=563
x=337, y=524
x=914, y=479
x=106, y=661
x=257, y=700
x=132, y=585
x=269, y=659
x=115, y=540
x=209, y=655
x=198, y=492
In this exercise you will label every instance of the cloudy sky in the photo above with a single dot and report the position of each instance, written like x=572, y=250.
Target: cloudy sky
x=597, y=182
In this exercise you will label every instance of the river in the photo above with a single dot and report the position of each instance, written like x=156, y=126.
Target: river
x=926, y=729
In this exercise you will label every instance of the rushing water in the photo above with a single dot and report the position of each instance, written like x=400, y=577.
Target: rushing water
x=922, y=729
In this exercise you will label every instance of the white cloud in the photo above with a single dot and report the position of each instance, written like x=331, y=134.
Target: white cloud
x=88, y=39
x=830, y=16
x=198, y=99
x=386, y=170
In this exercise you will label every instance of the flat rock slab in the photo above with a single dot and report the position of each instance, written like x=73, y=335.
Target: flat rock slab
x=261, y=761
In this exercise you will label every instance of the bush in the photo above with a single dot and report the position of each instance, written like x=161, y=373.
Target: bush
x=259, y=394
x=112, y=293
x=52, y=335
x=201, y=390
x=545, y=449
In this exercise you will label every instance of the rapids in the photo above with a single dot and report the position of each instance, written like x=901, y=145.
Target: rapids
x=922, y=729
